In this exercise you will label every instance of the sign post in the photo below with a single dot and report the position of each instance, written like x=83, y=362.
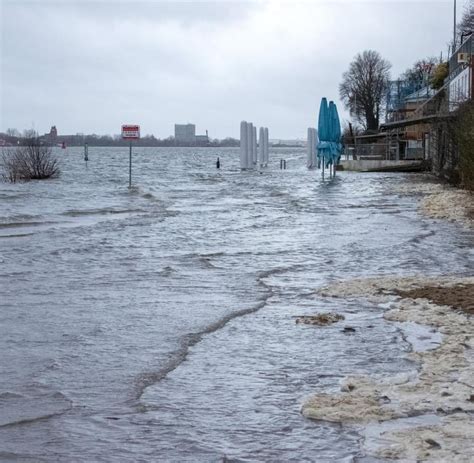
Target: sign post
x=130, y=167
x=130, y=132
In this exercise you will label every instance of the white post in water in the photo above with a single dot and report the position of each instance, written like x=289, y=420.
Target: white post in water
x=254, y=149
x=309, y=149
x=261, y=147
x=249, y=145
x=315, y=144
x=312, y=158
x=243, y=145
x=266, y=145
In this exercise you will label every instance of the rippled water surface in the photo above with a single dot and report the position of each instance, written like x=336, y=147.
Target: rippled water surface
x=157, y=324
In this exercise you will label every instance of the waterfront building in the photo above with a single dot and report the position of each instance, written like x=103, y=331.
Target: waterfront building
x=185, y=134
x=461, y=76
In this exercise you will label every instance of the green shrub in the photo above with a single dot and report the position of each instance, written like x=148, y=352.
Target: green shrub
x=439, y=74
x=464, y=137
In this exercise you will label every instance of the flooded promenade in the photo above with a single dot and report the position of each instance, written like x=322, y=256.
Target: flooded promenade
x=158, y=324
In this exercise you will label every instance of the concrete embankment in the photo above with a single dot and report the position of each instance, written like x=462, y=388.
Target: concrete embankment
x=378, y=165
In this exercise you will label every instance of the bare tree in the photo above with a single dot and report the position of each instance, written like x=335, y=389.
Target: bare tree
x=31, y=161
x=13, y=132
x=466, y=25
x=30, y=134
x=421, y=71
x=364, y=87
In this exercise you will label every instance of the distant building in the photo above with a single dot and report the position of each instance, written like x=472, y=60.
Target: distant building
x=280, y=142
x=461, y=76
x=52, y=136
x=202, y=140
x=185, y=134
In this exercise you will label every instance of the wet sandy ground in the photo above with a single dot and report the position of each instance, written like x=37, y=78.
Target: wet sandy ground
x=427, y=415
x=439, y=200
x=459, y=297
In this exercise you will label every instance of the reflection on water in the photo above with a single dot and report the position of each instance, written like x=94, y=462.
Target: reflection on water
x=158, y=323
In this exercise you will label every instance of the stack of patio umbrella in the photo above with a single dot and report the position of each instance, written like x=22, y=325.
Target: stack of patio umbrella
x=329, y=131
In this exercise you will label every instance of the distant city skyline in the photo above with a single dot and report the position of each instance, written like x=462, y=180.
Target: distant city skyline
x=88, y=67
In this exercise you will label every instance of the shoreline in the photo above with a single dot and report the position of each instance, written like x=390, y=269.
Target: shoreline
x=440, y=200
x=426, y=414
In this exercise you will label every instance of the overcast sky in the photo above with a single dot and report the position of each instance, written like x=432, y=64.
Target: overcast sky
x=90, y=66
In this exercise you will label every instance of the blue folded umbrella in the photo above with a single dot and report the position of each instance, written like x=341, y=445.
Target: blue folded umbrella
x=329, y=127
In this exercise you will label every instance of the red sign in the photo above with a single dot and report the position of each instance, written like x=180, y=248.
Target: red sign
x=130, y=132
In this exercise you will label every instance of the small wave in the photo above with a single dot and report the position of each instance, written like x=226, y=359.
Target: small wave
x=419, y=238
x=16, y=235
x=146, y=380
x=19, y=409
x=275, y=271
x=24, y=224
x=167, y=271
x=104, y=211
x=138, y=191
x=206, y=262
x=206, y=178
x=212, y=254
x=278, y=193
x=9, y=456
x=11, y=195
x=9, y=395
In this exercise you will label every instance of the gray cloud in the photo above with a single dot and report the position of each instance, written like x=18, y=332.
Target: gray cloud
x=91, y=66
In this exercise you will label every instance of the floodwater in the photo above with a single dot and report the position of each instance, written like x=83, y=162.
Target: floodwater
x=157, y=324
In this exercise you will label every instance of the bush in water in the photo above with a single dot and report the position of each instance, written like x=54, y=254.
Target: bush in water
x=32, y=161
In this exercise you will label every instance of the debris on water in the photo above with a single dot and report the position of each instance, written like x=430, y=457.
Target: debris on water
x=321, y=319
x=460, y=297
x=433, y=443
x=348, y=329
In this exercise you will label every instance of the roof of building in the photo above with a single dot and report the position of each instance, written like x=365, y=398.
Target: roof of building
x=420, y=95
x=370, y=136
x=415, y=121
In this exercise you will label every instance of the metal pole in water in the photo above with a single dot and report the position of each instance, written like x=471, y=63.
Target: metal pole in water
x=130, y=168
